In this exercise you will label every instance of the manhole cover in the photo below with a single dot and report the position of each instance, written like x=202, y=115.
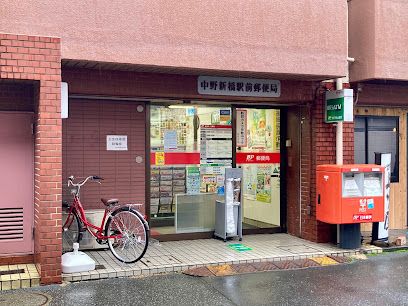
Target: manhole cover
x=29, y=299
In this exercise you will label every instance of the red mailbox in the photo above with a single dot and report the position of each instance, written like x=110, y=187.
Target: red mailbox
x=350, y=194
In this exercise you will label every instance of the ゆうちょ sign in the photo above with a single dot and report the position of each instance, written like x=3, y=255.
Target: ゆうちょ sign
x=223, y=86
x=339, y=106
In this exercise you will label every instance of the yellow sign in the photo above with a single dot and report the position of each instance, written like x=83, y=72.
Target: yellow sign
x=159, y=158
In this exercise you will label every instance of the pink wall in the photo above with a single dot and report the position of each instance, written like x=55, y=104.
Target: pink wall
x=378, y=39
x=282, y=37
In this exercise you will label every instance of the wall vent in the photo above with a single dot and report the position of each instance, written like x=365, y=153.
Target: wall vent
x=11, y=223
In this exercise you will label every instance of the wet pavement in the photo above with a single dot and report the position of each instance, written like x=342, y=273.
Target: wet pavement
x=379, y=280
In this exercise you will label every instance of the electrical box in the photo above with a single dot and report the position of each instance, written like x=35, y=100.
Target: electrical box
x=350, y=194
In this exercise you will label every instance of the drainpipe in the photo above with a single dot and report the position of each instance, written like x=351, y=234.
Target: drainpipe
x=339, y=146
x=339, y=131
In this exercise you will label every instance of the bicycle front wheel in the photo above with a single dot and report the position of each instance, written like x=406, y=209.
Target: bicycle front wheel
x=70, y=231
x=128, y=235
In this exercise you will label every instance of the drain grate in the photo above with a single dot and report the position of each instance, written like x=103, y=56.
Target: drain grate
x=99, y=267
x=15, y=271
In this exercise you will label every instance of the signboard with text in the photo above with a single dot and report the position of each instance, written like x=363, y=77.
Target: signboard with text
x=245, y=87
x=116, y=143
x=339, y=106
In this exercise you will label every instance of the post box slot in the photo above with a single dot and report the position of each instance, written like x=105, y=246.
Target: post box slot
x=373, y=185
x=353, y=185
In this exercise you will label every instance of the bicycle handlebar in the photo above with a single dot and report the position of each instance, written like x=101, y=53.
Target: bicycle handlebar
x=79, y=184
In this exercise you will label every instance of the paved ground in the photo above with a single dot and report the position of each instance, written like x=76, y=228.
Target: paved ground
x=379, y=280
x=176, y=256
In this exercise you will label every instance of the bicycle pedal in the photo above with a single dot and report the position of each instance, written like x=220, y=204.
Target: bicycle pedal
x=99, y=241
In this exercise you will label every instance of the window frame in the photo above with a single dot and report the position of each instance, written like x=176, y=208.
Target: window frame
x=394, y=176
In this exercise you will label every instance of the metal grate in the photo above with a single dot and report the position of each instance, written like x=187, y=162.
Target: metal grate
x=15, y=271
x=11, y=223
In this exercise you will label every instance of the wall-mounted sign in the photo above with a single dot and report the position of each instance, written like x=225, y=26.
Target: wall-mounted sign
x=339, y=106
x=116, y=142
x=223, y=86
x=64, y=100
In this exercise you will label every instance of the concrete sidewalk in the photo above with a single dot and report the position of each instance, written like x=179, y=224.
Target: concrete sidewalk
x=176, y=256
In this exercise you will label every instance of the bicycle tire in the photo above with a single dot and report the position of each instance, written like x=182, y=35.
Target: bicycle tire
x=136, y=239
x=71, y=232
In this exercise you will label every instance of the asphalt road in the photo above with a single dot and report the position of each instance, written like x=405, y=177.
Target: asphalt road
x=380, y=280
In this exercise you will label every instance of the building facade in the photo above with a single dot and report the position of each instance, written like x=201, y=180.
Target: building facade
x=164, y=96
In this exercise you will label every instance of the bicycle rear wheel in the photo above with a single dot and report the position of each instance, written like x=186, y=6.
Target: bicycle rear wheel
x=129, y=235
x=70, y=231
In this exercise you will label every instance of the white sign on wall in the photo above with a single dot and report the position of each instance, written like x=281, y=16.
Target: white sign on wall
x=244, y=87
x=116, y=142
x=64, y=100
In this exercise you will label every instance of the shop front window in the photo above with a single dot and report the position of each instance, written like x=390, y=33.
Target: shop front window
x=191, y=145
x=258, y=153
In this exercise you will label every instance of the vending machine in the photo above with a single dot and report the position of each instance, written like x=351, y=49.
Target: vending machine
x=348, y=194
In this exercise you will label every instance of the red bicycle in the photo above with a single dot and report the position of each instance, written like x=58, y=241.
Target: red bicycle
x=123, y=228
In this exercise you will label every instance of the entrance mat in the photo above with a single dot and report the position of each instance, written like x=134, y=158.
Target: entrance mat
x=239, y=247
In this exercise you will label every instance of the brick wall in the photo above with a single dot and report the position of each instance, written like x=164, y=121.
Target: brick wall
x=38, y=59
x=84, y=150
x=319, y=147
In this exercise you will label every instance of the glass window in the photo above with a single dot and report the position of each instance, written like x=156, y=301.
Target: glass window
x=191, y=145
x=376, y=134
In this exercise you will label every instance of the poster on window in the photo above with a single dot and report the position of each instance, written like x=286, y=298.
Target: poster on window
x=263, y=186
x=193, y=180
x=170, y=140
x=242, y=128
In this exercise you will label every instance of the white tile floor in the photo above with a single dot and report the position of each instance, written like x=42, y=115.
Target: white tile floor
x=175, y=256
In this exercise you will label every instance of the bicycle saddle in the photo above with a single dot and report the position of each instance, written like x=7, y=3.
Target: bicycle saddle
x=110, y=201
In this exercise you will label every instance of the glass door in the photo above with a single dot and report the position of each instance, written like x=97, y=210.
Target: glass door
x=258, y=153
x=191, y=145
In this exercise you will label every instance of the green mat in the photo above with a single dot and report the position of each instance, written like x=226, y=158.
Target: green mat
x=239, y=247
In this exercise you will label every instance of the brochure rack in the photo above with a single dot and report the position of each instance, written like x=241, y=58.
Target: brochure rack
x=228, y=213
